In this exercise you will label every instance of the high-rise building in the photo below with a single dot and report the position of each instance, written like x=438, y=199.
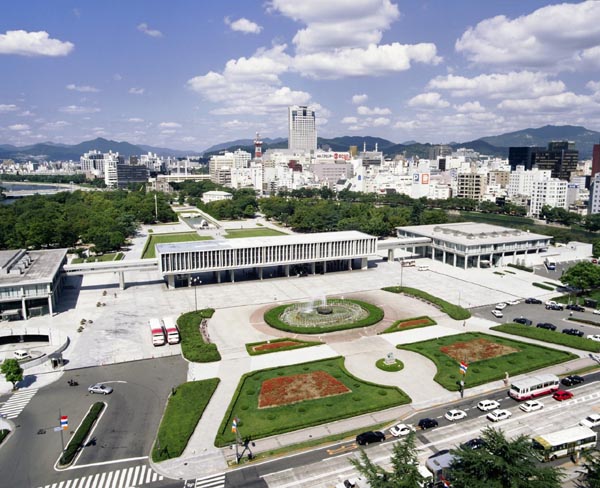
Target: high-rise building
x=471, y=185
x=94, y=162
x=302, y=129
x=594, y=202
x=522, y=156
x=551, y=192
x=596, y=159
x=560, y=157
x=118, y=175
x=220, y=166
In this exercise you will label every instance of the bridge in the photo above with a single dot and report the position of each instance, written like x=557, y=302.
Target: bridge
x=402, y=243
x=111, y=267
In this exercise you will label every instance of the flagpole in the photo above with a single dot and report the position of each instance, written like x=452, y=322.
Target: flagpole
x=62, y=439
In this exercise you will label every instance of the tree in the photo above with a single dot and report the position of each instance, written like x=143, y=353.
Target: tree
x=591, y=477
x=584, y=275
x=596, y=249
x=12, y=371
x=405, y=467
x=503, y=462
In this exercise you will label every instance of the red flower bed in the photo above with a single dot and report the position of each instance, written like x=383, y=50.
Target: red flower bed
x=412, y=323
x=274, y=345
x=286, y=390
x=476, y=350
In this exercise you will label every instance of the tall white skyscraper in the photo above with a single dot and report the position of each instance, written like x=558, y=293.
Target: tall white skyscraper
x=302, y=134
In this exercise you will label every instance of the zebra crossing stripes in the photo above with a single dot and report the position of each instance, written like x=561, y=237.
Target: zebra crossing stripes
x=16, y=403
x=214, y=481
x=121, y=478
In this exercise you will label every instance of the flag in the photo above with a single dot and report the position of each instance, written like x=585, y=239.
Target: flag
x=64, y=422
x=463, y=367
x=234, y=425
x=445, y=483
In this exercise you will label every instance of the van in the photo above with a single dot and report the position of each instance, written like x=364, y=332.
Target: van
x=21, y=354
x=157, y=332
x=171, y=330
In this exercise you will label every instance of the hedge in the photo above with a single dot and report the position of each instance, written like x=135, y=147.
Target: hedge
x=193, y=346
x=454, y=311
x=81, y=434
x=521, y=267
x=549, y=336
x=3, y=434
x=584, y=321
x=297, y=345
x=272, y=318
x=390, y=368
x=543, y=287
x=397, y=326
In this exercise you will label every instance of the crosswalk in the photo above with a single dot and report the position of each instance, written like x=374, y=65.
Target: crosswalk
x=121, y=478
x=16, y=403
x=214, y=481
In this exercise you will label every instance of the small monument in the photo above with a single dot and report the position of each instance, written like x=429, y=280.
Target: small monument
x=390, y=359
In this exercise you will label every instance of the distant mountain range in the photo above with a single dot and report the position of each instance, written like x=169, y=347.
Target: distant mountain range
x=491, y=145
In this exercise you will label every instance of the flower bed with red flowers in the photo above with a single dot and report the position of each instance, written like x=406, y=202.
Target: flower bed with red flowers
x=412, y=323
x=286, y=390
x=269, y=346
x=477, y=350
x=276, y=345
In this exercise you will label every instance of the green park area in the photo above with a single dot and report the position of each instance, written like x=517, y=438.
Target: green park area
x=412, y=323
x=112, y=256
x=284, y=399
x=193, y=344
x=549, y=336
x=488, y=358
x=455, y=312
x=264, y=232
x=154, y=239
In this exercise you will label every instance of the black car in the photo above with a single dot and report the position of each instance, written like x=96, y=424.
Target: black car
x=476, y=443
x=573, y=379
x=575, y=307
x=427, y=423
x=369, y=437
x=546, y=325
x=573, y=332
x=533, y=301
x=555, y=306
x=522, y=320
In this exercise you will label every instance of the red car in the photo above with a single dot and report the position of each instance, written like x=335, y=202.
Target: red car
x=561, y=395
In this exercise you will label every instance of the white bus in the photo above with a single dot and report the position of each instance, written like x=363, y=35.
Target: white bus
x=533, y=386
x=564, y=443
x=157, y=331
x=550, y=264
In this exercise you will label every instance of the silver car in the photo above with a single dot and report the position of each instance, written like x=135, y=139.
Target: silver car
x=100, y=388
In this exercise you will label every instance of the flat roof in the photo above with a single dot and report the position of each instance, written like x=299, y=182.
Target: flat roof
x=246, y=242
x=43, y=268
x=562, y=436
x=472, y=233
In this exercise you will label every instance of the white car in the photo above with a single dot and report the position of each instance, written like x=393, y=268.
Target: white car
x=498, y=414
x=594, y=337
x=485, y=405
x=501, y=306
x=596, y=312
x=514, y=302
x=455, y=415
x=531, y=406
x=400, y=430
x=591, y=421
x=550, y=303
x=100, y=388
x=497, y=313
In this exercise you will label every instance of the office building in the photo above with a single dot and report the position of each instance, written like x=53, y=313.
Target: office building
x=595, y=159
x=471, y=185
x=522, y=156
x=594, y=202
x=220, y=165
x=551, y=192
x=302, y=129
x=560, y=157
x=120, y=175
x=94, y=162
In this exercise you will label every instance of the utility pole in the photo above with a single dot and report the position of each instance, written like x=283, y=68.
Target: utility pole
x=156, y=207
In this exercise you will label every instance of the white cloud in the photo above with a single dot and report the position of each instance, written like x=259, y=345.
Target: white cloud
x=590, y=85
x=78, y=109
x=380, y=121
x=135, y=119
x=558, y=37
x=143, y=27
x=18, y=127
x=188, y=139
x=169, y=125
x=234, y=124
x=82, y=88
x=243, y=25
x=39, y=43
x=509, y=85
x=469, y=107
x=8, y=107
x=168, y=131
x=117, y=77
x=567, y=101
x=59, y=124
x=137, y=91
x=428, y=100
x=363, y=110
x=26, y=113
x=359, y=98
x=349, y=120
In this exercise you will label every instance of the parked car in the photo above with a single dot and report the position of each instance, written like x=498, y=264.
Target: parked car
x=454, y=414
x=561, y=395
x=485, y=405
x=501, y=306
x=594, y=337
x=497, y=415
x=513, y=302
x=573, y=379
x=100, y=388
x=591, y=421
x=573, y=332
x=497, y=313
x=546, y=325
x=369, y=437
x=555, y=306
x=522, y=320
x=575, y=307
x=550, y=302
x=400, y=430
x=476, y=443
x=533, y=301
x=427, y=423
x=531, y=406
x=21, y=354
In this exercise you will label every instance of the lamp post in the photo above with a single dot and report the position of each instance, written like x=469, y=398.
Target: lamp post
x=195, y=282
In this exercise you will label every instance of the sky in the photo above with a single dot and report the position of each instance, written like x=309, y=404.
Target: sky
x=188, y=74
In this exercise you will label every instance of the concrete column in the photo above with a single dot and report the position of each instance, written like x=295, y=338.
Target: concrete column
x=390, y=255
x=260, y=273
x=287, y=270
x=24, y=308
x=218, y=276
x=479, y=260
x=349, y=264
x=170, y=281
x=122, y=280
x=466, y=260
x=50, y=307
x=324, y=266
x=364, y=263
x=313, y=268
x=444, y=257
x=454, y=264
x=232, y=275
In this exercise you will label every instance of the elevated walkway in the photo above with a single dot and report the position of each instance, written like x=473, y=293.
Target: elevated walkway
x=120, y=267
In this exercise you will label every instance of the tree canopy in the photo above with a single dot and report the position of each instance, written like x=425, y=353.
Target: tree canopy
x=584, y=275
x=591, y=476
x=12, y=371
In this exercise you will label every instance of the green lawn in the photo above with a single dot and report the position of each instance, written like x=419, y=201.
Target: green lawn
x=554, y=337
x=237, y=233
x=272, y=345
x=184, y=409
x=454, y=311
x=154, y=239
x=193, y=346
x=529, y=358
x=593, y=294
x=257, y=423
x=412, y=323
x=113, y=256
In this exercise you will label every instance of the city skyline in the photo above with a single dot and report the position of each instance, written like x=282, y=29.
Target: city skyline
x=196, y=74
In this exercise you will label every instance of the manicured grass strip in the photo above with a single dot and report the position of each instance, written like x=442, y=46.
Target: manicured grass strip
x=453, y=311
x=521, y=267
x=543, y=287
x=112, y=256
x=390, y=368
x=276, y=345
x=363, y=398
x=555, y=285
x=154, y=239
x=193, y=346
x=584, y=321
x=529, y=358
x=81, y=434
x=265, y=232
x=550, y=336
x=3, y=434
x=498, y=273
x=184, y=409
x=511, y=272
x=272, y=318
x=407, y=324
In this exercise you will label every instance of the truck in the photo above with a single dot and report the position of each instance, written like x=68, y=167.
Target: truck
x=157, y=330
x=550, y=264
x=171, y=330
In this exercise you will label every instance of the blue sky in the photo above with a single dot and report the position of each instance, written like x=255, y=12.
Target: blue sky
x=188, y=74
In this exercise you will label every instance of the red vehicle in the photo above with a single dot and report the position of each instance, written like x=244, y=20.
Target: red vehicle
x=561, y=395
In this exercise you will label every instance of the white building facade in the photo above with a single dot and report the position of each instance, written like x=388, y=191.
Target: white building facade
x=302, y=128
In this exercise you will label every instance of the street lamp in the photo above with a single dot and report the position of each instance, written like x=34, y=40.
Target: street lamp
x=195, y=282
